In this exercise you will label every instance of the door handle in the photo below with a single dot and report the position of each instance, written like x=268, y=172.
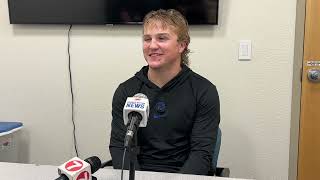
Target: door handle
x=314, y=75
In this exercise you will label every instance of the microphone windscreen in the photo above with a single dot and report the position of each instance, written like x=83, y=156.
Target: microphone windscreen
x=140, y=95
x=95, y=163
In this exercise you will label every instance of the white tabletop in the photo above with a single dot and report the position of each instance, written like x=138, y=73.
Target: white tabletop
x=16, y=171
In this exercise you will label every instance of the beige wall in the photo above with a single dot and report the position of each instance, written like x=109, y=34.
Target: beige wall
x=255, y=95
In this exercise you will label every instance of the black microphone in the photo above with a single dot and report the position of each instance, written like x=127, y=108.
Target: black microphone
x=62, y=177
x=135, y=112
x=95, y=163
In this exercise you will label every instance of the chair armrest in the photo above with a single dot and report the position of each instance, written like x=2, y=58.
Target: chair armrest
x=222, y=172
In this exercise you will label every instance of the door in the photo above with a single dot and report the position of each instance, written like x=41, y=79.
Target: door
x=309, y=138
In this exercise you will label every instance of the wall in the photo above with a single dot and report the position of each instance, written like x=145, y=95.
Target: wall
x=255, y=95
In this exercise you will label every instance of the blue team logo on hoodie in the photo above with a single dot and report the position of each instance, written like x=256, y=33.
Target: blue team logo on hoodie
x=160, y=110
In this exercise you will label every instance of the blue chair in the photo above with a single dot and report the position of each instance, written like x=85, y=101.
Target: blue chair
x=216, y=149
x=218, y=171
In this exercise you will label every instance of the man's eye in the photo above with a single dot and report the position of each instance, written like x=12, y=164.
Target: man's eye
x=147, y=39
x=162, y=38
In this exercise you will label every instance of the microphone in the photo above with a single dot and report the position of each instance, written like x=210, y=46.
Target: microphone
x=77, y=169
x=135, y=112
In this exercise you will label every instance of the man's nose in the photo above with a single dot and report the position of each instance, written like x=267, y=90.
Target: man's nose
x=154, y=44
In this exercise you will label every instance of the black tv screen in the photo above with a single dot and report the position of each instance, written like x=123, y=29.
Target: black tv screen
x=106, y=11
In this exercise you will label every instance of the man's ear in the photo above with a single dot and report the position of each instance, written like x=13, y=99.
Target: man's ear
x=182, y=46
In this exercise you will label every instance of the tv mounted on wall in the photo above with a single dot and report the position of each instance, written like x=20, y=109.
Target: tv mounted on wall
x=106, y=11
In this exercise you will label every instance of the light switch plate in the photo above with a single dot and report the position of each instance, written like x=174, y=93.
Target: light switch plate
x=245, y=50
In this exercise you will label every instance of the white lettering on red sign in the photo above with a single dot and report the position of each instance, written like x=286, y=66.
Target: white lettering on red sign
x=83, y=176
x=74, y=165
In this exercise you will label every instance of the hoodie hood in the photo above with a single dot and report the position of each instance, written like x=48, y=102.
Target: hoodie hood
x=142, y=76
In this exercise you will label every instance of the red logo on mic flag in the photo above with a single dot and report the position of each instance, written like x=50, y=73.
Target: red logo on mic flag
x=74, y=165
x=83, y=176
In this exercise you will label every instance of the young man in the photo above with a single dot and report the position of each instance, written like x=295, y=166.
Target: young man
x=184, y=107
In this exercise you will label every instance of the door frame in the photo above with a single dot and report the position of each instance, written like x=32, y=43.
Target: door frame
x=296, y=89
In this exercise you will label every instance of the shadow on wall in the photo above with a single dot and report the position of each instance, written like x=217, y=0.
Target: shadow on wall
x=23, y=146
x=235, y=138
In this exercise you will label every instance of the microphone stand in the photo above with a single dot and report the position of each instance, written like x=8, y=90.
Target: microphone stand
x=133, y=150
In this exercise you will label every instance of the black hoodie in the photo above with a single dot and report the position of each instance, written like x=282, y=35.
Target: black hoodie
x=182, y=125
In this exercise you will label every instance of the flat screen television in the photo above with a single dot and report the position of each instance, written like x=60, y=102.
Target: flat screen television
x=106, y=11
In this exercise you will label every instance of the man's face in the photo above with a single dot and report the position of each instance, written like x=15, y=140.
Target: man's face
x=160, y=47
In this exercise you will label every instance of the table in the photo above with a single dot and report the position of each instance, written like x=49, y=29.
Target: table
x=9, y=127
x=8, y=141
x=17, y=171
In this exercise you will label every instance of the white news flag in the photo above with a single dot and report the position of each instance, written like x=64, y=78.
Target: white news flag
x=136, y=104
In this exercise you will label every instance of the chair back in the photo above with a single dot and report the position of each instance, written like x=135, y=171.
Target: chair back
x=216, y=149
